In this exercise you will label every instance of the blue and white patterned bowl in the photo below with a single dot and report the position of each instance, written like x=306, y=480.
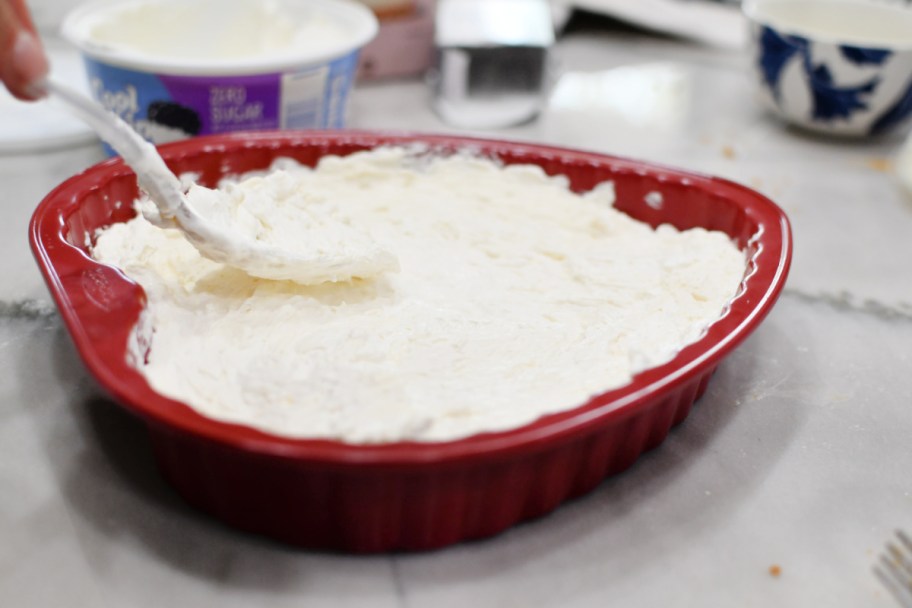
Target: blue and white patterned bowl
x=842, y=67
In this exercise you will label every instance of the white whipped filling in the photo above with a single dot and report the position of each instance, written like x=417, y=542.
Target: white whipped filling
x=515, y=298
x=271, y=229
x=268, y=228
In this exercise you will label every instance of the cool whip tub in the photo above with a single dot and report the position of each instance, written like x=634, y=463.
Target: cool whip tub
x=178, y=68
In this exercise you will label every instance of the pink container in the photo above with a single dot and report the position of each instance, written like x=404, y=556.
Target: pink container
x=401, y=496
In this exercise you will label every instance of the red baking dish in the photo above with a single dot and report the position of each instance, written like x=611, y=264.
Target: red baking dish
x=401, y=496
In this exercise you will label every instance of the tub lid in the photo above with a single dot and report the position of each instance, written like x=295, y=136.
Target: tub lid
x=213, y=37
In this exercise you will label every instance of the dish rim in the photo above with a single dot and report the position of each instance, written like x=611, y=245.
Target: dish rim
x=764, y=280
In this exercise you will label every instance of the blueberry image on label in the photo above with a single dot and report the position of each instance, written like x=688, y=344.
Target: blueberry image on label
x=169, y=121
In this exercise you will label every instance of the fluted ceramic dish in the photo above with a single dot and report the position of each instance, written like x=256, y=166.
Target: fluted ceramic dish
x=399, y=496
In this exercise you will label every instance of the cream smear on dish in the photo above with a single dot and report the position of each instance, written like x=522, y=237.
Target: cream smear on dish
x=515, y=298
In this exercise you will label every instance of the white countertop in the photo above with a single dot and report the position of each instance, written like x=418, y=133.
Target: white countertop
x=797, y=456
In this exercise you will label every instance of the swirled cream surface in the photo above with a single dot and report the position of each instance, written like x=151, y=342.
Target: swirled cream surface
x=515, y=298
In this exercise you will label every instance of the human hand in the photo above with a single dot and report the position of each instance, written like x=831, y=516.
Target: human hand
x=22, y=58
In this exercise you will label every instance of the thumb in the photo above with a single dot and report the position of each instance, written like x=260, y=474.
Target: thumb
x=22, y=58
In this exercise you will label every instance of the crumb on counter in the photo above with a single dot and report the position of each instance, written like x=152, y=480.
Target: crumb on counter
x=775, y=570
x=883, y=165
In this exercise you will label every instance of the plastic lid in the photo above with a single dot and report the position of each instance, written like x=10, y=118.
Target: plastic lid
x=213, y=37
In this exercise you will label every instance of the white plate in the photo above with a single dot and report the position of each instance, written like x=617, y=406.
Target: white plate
x=38, y=126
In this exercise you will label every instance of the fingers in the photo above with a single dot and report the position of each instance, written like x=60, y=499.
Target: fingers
x=22, y=57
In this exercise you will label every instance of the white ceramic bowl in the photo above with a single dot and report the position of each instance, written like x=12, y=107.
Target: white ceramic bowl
x=178, y=68
x=842, y=67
